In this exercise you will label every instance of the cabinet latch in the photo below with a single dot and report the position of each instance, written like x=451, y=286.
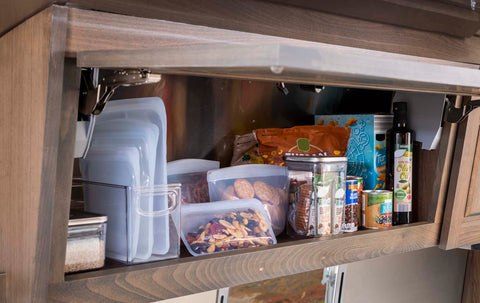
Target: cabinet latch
x=456, y=115
x=95, y=92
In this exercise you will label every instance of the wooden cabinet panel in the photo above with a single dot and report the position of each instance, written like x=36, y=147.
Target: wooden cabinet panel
x=461, y=223
x=31, y=65
x=319, y=64
x=424, y=15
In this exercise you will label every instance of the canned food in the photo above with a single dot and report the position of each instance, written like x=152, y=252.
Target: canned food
x=360, y=190
x=377, y=208
x=351, y=206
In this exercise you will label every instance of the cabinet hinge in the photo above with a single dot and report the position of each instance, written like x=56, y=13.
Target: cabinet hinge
x=454, y=114
x=95, y=91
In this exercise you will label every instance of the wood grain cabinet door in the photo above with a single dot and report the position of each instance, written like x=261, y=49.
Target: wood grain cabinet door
x=461, y=222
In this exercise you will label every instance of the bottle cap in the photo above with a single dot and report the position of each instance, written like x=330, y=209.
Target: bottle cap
x=400, y=107
x=400, y=112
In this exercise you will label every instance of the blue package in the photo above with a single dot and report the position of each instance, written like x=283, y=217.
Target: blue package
x=367, y=156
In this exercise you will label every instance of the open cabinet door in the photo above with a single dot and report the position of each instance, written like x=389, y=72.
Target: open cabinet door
x=461, y=221
x=321, y=64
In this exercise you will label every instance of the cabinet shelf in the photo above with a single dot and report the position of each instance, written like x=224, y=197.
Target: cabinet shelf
x=188, y=275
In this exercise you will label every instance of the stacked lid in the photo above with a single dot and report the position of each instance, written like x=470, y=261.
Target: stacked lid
x=128, y=148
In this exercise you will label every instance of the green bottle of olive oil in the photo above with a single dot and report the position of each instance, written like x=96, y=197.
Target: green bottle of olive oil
x=399, y=165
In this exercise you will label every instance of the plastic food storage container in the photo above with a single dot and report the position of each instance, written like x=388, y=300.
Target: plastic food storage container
x=267, y=183
x=317, y=195
x=192, y=174
x=122, y=205
x=85, y=242
x=225, y=225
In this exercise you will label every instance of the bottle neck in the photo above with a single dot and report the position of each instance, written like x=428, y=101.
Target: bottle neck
x=400, y=119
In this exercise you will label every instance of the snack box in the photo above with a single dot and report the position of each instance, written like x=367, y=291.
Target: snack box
x=267, y=183
x=367, y=155
x=192, y=174
x=224, y=226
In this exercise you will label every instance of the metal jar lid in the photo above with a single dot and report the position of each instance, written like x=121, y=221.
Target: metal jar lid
x=315, y=159
x=85, y=218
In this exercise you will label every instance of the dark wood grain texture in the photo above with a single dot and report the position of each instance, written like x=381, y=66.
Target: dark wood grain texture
x=66, y=146
x=3, y=288
x=95, y=31
x=471, y=284
x=441, y=171
x=458, y=227
x=51, y=144
x=425, y=15
x=167, y=279
x=31, y=60
x=15, y=12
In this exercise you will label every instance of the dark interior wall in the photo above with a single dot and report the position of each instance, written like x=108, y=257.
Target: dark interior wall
x=205, y=114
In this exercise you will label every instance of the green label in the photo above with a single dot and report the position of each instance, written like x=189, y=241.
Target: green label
x=400, y=195
x=303, y=144
x=378, y=199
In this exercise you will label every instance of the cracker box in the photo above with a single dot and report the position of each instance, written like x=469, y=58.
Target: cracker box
x=367, y=156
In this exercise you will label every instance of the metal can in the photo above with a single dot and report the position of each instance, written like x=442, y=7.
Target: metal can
x=360, y=190
x=377, y=208
x=351, y=206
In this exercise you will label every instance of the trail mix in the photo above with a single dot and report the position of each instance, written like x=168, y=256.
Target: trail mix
x=234, y=230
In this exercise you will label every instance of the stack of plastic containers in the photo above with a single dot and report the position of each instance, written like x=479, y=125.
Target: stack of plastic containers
x=126, y=179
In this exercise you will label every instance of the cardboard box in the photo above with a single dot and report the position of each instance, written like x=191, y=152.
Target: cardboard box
x=367, y=156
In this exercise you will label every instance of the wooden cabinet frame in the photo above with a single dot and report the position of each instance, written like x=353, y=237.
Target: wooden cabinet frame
x=70, y=31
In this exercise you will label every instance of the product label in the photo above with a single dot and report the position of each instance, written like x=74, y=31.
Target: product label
x=380, y=154
x=323, y=195
x=402, y=180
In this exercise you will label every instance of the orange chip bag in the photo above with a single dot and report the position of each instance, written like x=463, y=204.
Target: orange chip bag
x=316, y=140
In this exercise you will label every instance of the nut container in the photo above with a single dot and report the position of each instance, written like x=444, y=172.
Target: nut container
x=267, y=183
x=225, y=225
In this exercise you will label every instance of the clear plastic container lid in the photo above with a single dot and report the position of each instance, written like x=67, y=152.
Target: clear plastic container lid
x=85, y=218
x=186, y=166
x=246, y=171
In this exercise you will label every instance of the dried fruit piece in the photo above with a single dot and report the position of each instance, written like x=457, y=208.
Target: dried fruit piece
x=226, y=224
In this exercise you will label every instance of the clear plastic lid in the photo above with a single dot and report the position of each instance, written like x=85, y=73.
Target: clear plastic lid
x=246, y=171
x=186, y=166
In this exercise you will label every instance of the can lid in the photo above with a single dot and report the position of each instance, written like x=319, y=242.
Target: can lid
x=315, y=159
x=85, y=218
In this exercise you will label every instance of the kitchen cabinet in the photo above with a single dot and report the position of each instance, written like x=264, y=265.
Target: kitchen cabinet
x=461, y=225
x=40, y=101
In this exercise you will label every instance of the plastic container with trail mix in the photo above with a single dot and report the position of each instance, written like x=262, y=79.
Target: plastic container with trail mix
x=225, y=225
x=192, y=174
x=267, y=183
x=317, y=195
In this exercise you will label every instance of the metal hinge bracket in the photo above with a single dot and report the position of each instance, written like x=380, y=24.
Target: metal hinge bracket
x=95, y=92
x=454, y=114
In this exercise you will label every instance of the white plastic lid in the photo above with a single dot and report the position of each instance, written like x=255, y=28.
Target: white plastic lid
x=246, y=171
x=186, y=166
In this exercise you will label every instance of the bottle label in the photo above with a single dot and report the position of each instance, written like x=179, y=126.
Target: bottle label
x=402, y=178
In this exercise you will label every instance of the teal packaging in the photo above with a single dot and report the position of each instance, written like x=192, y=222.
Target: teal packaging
x=367, y=155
